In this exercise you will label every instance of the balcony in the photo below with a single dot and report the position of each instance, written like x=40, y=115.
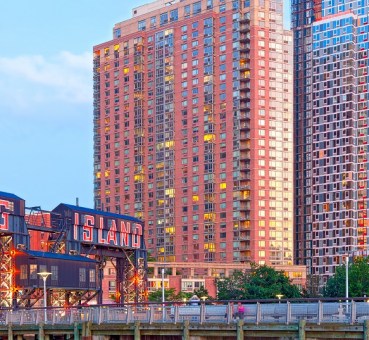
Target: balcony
x=245, y=47
x=246, y=206
x=246, y=97
x=245, y=145
x=245, y=36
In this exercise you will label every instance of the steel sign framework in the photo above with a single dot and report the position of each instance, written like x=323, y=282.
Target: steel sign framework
x=68, y=237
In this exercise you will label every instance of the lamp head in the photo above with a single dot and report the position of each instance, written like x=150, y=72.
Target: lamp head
x=44, y=275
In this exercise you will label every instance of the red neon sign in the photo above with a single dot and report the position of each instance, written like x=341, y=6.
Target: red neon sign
x=4, y=216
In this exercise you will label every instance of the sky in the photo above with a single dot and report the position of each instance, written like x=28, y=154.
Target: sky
x=46, y=113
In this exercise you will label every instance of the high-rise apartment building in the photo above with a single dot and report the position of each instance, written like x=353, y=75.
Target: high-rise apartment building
x=331, y=118
x=193, y=129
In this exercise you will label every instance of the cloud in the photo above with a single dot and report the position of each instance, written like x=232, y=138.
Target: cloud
x=28, y=81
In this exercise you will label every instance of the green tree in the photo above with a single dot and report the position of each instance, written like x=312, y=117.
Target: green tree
x=156, y=296
x=169, y=295
x=232, y=287
x=358, y=275
x=203, y=292
x=260, y=282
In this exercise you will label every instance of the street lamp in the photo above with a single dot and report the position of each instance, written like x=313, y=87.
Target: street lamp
x=279, y=296
x=44, y=275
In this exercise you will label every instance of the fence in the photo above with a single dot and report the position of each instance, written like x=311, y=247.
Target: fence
x=350, y=312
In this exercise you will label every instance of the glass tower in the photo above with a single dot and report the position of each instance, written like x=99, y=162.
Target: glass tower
x=331, y=134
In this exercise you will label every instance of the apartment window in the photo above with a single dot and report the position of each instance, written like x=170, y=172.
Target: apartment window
x=142, y=25
x=174, y=15
x=82, y=274
x=163, y=18
x=92, y=275
x=112, y=286
x=33, y=271
x=196, y=7
x=23, y=272
x=54, y=273
x=187, y=10
x=117, y=33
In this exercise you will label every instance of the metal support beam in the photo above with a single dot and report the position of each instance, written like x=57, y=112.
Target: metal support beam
x=302, y=324
x=7, y=270
x=41, y=332
x=186, y=330
x=137, y=331
x=240, y=335
x=10, y=332
x=366, y=330
x=76, y=332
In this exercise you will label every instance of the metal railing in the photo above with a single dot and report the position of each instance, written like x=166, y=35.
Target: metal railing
x=285, y=312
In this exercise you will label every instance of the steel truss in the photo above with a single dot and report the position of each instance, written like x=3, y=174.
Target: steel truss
x=131, y=278
x=55, y=297
x=131, y=272
x=7, y=271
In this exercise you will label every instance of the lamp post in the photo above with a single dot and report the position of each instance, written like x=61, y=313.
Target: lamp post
x=347, y=280
x=163, y=292
x=44, y=276
x=162, y=285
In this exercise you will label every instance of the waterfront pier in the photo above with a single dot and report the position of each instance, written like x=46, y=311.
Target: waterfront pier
x=300, y=320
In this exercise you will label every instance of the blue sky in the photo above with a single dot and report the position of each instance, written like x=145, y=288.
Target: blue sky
x=46, y=95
